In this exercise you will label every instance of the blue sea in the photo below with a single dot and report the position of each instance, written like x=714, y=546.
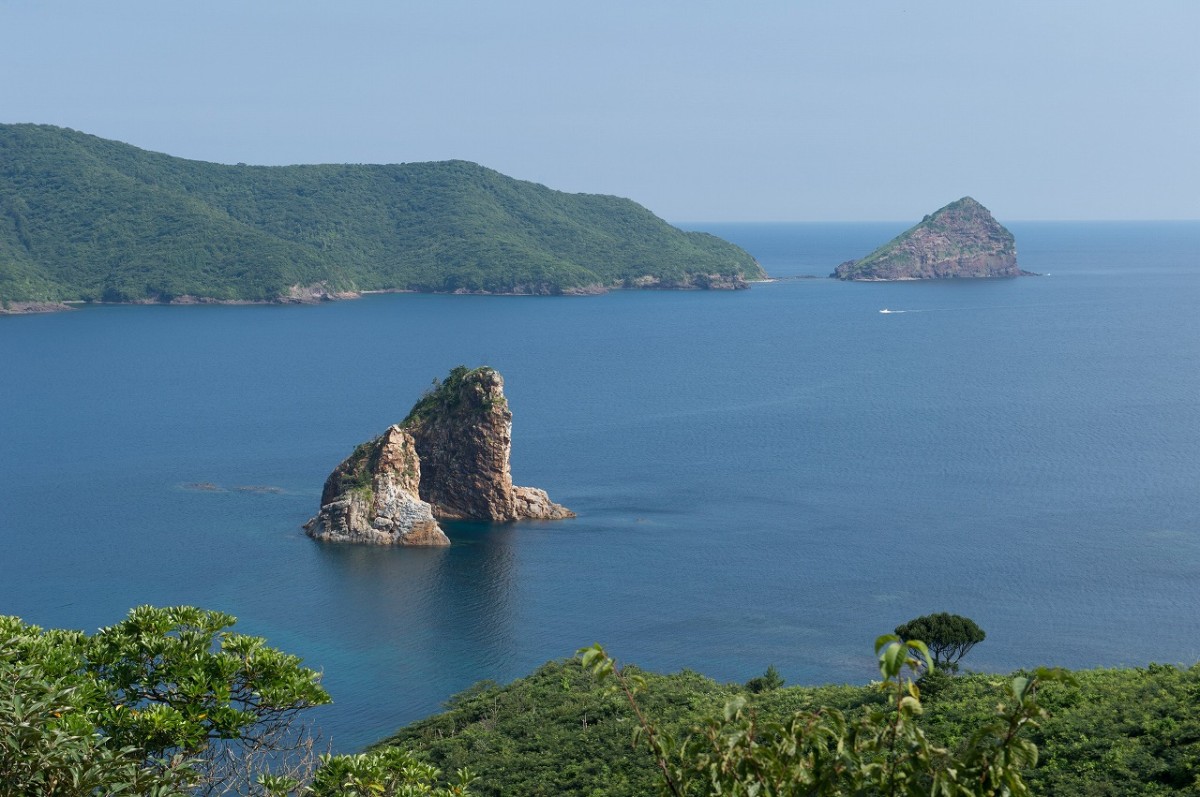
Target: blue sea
x=773, y=476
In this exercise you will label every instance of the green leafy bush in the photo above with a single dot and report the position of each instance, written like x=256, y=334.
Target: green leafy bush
x=823, y=752
x=170, y=701
x=168, y=696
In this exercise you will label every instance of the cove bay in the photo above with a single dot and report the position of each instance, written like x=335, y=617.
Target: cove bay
x=773, y=476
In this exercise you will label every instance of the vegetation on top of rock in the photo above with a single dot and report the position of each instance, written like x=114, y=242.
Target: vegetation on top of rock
x=357, y=471
x=444, y=395
x=959, y=240
x=84, y=218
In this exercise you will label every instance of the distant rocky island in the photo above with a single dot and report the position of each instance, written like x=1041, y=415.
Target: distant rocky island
x=960, y=240
x=448, y=459
x=84, y=219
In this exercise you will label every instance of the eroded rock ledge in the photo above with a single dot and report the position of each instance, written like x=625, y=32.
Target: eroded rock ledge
x=448, y=459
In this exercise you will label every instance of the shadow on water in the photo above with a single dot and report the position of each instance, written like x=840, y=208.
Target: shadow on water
x=395, y=618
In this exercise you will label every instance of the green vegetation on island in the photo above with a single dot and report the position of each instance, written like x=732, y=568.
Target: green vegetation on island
x=88, y=219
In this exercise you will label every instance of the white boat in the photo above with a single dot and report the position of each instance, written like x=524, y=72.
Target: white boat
x=885, y=310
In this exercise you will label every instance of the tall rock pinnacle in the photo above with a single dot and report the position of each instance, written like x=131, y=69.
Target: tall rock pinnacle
x=449, y=459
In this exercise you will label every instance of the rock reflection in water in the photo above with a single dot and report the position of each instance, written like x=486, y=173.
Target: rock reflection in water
x=414, y=619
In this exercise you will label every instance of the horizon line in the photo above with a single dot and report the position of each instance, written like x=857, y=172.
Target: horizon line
x=692, y=222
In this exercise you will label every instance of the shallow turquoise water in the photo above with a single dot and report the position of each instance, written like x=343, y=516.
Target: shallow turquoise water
x=770, y=476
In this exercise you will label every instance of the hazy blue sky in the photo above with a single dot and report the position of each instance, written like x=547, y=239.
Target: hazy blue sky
x=702, y=111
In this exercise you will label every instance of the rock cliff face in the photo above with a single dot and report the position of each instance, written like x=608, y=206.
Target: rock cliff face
x=463, y=435
x=448, y=459
x=960, y=240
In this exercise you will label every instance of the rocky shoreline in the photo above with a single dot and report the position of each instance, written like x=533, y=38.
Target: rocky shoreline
x=27, y=308
x=321, y=294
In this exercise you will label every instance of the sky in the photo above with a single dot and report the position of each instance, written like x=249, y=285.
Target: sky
x=759, y=110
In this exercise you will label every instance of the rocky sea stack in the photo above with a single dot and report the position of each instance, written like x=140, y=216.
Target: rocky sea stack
x=448, y=459
x=960, y=240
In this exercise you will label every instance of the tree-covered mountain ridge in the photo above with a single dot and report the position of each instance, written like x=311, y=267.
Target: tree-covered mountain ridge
x=88, y=219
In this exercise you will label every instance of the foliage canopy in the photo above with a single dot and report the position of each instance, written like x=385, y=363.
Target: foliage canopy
x=158, y=698
x=171, y=701
x=949, y=636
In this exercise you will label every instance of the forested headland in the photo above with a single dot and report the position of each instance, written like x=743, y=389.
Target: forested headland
x=87, y=219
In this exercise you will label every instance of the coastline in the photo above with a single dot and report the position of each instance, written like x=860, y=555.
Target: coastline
x=29, y=308
x=318, y=294
x=1023, y=273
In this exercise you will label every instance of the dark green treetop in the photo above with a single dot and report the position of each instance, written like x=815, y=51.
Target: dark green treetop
x=771, y=679
x=949, y=637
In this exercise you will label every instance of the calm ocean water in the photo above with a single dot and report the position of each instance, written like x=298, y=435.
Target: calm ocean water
x=773, y=476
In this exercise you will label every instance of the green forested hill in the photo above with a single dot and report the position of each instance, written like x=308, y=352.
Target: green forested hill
x=83, y=218
x=560, y=732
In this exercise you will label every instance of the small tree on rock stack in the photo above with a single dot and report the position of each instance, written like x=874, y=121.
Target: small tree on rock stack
x=949, y=637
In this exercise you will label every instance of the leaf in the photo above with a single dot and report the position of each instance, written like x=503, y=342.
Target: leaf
x=923, y=649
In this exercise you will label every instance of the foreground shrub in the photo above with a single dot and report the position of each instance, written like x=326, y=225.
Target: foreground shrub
x=822, y=752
